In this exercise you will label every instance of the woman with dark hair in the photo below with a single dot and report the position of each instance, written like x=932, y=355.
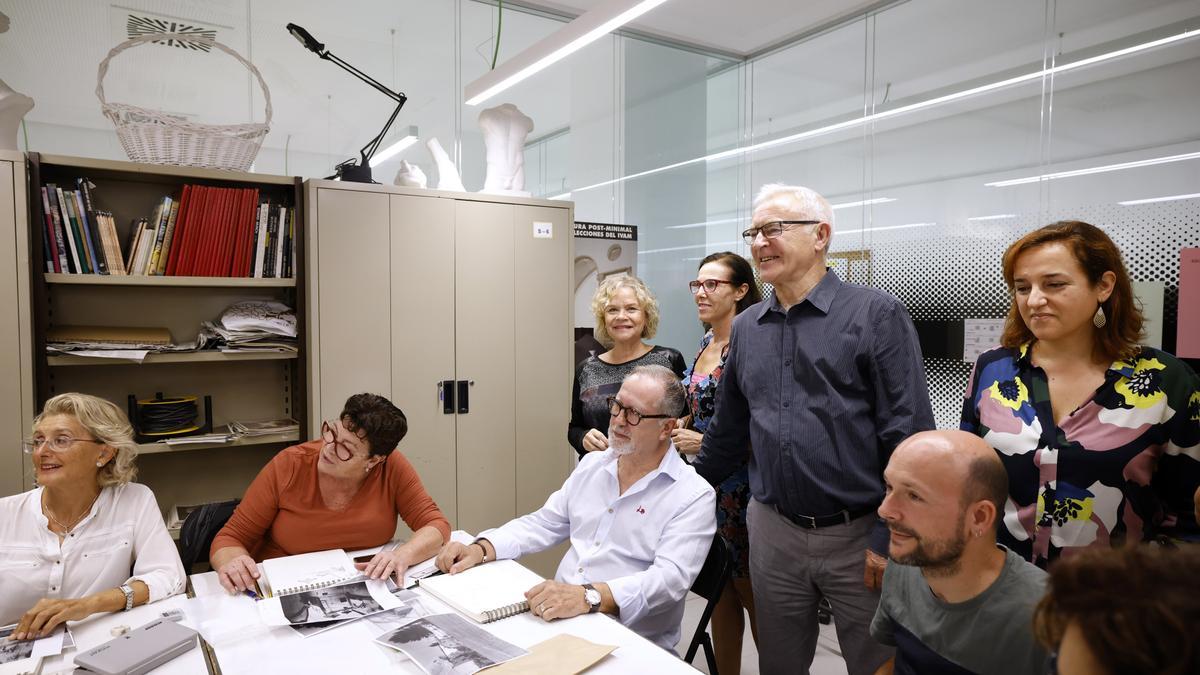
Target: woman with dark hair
x=343, y=490
x=1100, y=435
x=723, y=287
x=1123, y=612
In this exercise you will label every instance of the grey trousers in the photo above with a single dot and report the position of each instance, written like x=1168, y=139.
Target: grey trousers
x=792, y=568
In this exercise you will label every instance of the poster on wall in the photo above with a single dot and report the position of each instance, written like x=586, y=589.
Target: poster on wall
x=601, y=250
x=1188, y=338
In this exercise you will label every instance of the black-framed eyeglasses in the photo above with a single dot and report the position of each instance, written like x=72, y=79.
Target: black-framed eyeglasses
x=774, y=228
x=329, y=434
x=709, y=285
x=632, y=417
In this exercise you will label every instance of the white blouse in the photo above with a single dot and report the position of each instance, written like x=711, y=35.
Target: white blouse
x=122, y=539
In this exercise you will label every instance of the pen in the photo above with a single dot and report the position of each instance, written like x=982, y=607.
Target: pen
x=437, y=573
x=250, y=594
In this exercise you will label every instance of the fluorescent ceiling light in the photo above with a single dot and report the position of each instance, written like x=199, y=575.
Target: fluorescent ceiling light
x=1096, y=169
x=912, y=107
x=584, y=30
x=724, y=221
x=886, y=227
x=408, y=138
x=716, y=247
x=565, y=195
x=865, y=202
x=1152, y=200
x=998, y=216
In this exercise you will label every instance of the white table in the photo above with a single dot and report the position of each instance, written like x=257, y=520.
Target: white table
x=350, y=648
x=95, y=631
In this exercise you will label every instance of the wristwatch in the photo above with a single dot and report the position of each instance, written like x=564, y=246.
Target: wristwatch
x=592, y=596
x=128, y=591
x=483, y=548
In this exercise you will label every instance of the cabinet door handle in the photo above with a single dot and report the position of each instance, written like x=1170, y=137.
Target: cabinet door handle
x=463, y=397
x=447, y=396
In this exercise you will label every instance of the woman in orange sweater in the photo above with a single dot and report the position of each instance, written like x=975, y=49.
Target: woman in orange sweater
x=341, y=491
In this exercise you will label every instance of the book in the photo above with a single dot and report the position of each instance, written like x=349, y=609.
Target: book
x=112, y=243
x=279, y=241
x=308, y=571
x=145, y=244
x=487, y=592
x=86, y=262
x=160, y=267
x=109, y=335
x=135, y=240
x=56, y=201
x=160, y=233
x=83, y=194
x=54, y=232
x=260, y=238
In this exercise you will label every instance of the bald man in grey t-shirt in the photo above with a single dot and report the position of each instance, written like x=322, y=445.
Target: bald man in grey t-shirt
x=955, y=601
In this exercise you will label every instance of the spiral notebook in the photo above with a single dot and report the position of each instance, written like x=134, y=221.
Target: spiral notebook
x=486, y=593
x=309, y=571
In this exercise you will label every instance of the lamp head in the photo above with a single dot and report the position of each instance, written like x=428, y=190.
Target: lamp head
x=305, y=38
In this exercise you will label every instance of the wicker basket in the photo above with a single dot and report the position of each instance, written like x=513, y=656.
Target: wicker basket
x=155, y=137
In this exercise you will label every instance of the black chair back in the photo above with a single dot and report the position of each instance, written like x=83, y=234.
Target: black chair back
x=200, y=528
x=709, y=584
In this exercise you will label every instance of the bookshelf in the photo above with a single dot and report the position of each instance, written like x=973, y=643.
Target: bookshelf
x=243, y=385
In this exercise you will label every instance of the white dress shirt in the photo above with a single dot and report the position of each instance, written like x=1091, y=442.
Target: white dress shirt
x=648, y=544
x=122, y=539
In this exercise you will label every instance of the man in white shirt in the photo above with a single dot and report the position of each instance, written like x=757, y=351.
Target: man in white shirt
x=639, y=519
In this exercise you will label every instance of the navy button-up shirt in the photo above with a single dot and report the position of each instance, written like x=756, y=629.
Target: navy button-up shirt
x=822, y=393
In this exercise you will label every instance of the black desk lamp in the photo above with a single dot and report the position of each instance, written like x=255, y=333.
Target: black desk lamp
x=352, y=170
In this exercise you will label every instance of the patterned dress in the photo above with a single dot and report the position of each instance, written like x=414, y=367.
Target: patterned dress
x=1122, y=467
x=733, y=494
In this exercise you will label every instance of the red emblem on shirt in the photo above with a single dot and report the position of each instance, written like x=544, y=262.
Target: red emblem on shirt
x=641, y=510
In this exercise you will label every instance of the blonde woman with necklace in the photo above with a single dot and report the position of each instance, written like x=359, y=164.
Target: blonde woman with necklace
x=87, y=540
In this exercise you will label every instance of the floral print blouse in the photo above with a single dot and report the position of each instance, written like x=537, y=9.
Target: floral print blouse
x=1122, y=467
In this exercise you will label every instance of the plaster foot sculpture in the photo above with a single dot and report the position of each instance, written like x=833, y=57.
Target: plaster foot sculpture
x=410, y=175
x=448, y=178
x=504, y=131
x=13, y=106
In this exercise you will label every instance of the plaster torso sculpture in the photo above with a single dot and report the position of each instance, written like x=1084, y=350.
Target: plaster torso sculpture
x=13, y=106
x=410, y=175
x=448, y=178
x=504, y=131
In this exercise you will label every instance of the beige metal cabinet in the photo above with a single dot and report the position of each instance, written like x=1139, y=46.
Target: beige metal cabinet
x=16, y=394
x=414, y=288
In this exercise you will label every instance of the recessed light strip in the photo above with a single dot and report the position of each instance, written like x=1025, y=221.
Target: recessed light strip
x=582, y=31
x=920, y=105
x=998, y=216
x=1096, y=169
x=396, y=148
x=1154, y=200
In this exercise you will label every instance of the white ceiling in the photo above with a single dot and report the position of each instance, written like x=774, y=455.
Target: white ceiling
x=738, y=28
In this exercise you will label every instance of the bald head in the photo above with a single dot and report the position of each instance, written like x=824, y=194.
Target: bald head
x=965, y=459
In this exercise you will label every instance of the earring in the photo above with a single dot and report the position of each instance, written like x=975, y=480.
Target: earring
x=99, y=464
x=1098, y=319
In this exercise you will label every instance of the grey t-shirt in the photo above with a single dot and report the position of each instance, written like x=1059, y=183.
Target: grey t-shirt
x=990, y=633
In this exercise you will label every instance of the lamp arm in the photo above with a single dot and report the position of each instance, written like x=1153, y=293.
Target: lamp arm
x=368, y=150
x=394, y=95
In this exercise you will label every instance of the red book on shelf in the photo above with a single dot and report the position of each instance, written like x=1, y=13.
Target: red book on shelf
x=188, y=257
x=220, y=233
x=221, y=255
x=205, y=241
x=229, y=245
x=178, y=260
x=241, y=243
x=53, y=243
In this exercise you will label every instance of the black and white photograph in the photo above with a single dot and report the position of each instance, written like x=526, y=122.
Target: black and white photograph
x=447, y=644
x=348, y=601
x=13, y=650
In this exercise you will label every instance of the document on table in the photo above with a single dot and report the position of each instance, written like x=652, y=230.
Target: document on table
x=352, y=600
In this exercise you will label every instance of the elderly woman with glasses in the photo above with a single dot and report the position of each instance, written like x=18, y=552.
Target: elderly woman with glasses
x=343, y=490
x=87, y=539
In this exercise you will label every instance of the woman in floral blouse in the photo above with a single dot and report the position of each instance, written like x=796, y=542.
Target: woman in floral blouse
x=1100, y=435
x=723, y=287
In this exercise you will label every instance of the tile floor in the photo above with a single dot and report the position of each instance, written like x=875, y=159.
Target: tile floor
x=828, y=660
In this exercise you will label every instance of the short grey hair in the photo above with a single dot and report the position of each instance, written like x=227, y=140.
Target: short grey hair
x=106, y=423
x=798, y=199
x=674, y=395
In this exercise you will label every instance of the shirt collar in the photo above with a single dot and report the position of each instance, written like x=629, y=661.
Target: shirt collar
x=821, y=296
x=671, y=465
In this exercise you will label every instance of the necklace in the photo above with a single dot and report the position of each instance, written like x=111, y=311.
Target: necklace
x=66, y=529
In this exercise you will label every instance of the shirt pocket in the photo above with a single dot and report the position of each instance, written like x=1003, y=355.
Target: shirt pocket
x=18, y=559
x=107, y=543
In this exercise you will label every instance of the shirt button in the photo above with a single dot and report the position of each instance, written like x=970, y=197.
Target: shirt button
x=610, y=510
x=788, y=362
x=581, y=570
x=57, y=562
x=787, y=404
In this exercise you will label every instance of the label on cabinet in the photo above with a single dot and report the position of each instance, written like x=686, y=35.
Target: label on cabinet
x=543, y=230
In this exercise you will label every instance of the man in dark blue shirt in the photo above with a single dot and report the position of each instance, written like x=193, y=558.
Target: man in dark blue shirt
x=823, y=380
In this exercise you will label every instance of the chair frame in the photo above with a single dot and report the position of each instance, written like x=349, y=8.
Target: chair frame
x=714, y=576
